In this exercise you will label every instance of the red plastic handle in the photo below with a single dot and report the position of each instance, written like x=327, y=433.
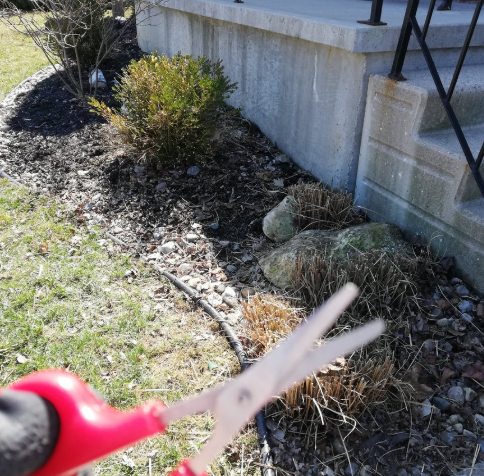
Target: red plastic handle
x=90, y=429
x=184, y=470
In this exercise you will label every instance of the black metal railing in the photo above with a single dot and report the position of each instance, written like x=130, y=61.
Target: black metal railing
x=410, y=24
x=375, y=14
x=377, y=7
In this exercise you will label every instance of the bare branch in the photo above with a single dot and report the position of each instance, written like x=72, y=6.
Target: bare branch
x=75, y=35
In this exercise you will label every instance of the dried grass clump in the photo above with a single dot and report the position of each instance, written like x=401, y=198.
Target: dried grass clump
x=320, y=207
x=387, y=283
x=340, y=391
x=343, y=389
x=268, y=320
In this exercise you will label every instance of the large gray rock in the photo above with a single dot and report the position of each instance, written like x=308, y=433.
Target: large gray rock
x=279, y=266
x=279, y=224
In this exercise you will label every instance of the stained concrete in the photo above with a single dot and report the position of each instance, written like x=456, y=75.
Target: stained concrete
x=302, y=67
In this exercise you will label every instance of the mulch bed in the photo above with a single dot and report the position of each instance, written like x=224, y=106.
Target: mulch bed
x=55, y=146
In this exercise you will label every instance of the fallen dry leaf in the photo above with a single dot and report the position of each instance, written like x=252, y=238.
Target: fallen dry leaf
x=475, y=371
x=446, y=375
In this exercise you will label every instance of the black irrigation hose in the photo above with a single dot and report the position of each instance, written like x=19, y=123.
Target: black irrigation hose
x=14, y=181
x=265, y=449
x=116, y=240
x=236, y=345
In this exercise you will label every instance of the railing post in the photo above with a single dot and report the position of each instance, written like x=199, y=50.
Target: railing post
x=402, y=46
x=375, y=15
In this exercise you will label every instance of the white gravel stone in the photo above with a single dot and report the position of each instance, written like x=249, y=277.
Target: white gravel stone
x=229, y=292
x=191, y=237
x=168, y=247
x=456, y=394
x=458, y=427
x=470, y=395
x=184, y=269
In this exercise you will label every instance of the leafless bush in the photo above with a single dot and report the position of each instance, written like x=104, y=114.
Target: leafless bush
x=320, y=207
x=74, y=35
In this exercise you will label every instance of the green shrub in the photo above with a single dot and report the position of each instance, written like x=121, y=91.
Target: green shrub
x=169, y=106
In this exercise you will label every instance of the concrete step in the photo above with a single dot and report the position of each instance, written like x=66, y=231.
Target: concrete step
x=412, y=171
x=446, y=139
x=445, y=143
x=473, y=210
x=467, y=100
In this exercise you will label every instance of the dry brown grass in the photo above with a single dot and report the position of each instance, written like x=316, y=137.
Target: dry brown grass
x=341, y=392
x=345, y=388
x=320, y=207
x=386, y=283
x=268, y=320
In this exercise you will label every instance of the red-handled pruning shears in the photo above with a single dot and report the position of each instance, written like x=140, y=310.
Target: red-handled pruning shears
x=90, y=429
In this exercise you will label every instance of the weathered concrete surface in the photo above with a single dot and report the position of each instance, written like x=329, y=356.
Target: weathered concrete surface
x=302, y=67
x=412, y=171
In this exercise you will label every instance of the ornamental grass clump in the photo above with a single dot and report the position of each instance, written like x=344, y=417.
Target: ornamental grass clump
x=321, y=208
x=268, y=319
x=340, y=392
x=169, y=107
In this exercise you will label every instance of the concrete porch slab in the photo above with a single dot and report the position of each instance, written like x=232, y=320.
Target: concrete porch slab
x=334, y=22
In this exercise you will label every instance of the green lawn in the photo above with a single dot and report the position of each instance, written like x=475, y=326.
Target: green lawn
x=67, y=302
x=19, y=58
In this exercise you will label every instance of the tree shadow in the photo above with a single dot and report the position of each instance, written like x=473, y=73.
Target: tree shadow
x=49, y=109
x=40, y=110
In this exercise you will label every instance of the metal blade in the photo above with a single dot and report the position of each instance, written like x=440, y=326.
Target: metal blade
x=239, y=401
x=339, y=346
x=191, y=406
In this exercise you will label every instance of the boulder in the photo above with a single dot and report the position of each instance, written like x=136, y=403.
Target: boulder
x=279, y=225
x=279, y=266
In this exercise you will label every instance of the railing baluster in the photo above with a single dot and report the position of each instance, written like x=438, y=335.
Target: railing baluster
x=465, y=47
x=447, y=106
x=375, y=15
x=480, y=156
x=402, y=46
x=425, y=29
x=410, y=24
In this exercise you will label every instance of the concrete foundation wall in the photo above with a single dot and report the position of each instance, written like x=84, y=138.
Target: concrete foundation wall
x=306, y=97
x=302, y=67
